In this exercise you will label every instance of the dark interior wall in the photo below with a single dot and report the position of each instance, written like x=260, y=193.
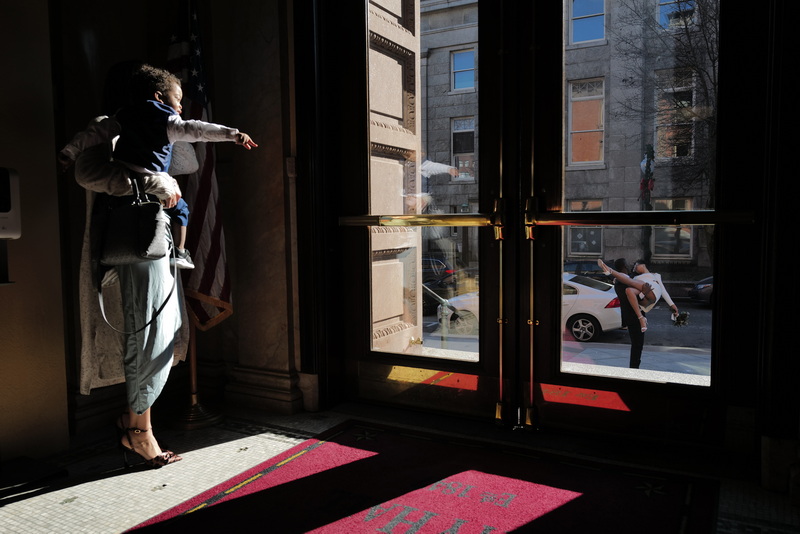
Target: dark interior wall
x=55, y=57
x=33, y=403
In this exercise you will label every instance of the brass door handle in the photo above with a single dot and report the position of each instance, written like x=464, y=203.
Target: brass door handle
x=441, y=219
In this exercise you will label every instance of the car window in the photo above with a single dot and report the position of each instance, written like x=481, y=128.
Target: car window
x=569, y=290
x=589, y=282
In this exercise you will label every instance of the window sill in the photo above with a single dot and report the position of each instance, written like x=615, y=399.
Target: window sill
x=453, y=92
x=587, y=44
x=587, y=167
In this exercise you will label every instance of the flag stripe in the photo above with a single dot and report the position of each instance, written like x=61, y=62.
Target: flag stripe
x=207, y=286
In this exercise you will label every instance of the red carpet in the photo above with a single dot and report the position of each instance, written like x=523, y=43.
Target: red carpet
x=361, y=477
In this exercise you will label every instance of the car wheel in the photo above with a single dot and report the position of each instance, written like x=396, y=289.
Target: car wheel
x=464, y=322
x=584, y=328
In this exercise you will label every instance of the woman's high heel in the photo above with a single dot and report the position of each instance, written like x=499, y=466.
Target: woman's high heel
x=156, y=462
x=644, y=326
x=122, y=426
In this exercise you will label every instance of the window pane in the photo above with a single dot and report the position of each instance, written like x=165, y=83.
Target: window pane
x=464, y=60
x=640, y=115
x=674, y=141
x=672, y=241
x=581, y=8
x=601, y=332
x=676, y=14
x=587, y=115
x=585, y=240
x=588, y=29
x=587, y=147
x=464, y=70
x=463, y=142
x=463, y=80
x=465, y=164
x=587, y=110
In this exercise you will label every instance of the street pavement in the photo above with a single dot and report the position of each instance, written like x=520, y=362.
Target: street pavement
x=671, y=354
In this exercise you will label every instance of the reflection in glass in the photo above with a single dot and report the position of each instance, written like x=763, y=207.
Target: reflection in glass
x=676, y=13
x=424, y=146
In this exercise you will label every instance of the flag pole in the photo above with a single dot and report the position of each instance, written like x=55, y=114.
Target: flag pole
x=196, y=416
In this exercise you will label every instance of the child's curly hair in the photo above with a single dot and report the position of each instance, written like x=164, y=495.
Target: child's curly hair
x=146, y=80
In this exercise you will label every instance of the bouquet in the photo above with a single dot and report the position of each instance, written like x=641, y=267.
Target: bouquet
x=680, y=319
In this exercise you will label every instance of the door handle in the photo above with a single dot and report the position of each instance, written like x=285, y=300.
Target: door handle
x=440, y=219
x=529, y=219
x=497, y=218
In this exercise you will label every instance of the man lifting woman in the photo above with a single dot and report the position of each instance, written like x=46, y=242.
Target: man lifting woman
x=644, y=290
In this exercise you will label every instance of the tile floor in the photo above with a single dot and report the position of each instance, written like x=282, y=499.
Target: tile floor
x=88, y=490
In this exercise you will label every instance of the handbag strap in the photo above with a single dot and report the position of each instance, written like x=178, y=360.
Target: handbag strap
x=160, y=308
x=137, y=185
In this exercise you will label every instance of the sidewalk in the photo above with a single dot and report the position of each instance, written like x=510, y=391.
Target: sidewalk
x=681, y=365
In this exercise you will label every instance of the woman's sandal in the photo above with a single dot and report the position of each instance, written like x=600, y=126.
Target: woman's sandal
x=644, y=326
x=122, y=426
x=602, y=265
x=156, y=462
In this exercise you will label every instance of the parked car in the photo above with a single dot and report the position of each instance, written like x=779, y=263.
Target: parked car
x=438, y=278
x=436, y=268
x=588, y=308
x=461, y=313
x=587, y=268
x=703, y=290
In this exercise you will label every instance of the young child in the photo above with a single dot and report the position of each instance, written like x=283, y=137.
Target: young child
x=147, y=128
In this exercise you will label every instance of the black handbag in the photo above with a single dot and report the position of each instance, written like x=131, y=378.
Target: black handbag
x=135, y=231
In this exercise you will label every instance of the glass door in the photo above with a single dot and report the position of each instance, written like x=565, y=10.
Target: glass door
x=432, y=231
x=514, y=153
x=639, y=137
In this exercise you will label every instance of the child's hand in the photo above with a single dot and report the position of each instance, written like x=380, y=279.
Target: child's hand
x=245, y=140
x=64, y=162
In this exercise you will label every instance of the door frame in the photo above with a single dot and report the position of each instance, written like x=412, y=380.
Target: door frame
x=337, y=101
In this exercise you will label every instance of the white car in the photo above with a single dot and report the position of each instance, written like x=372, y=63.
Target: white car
x=588, y=308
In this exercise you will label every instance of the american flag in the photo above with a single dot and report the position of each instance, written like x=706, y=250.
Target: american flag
x=208, y=288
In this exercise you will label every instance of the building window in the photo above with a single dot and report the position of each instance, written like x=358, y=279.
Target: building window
x=676, y=13
x=586, y=112
x=463, y=69
x=672, y=242
x=463, y=130
x=675, y=115
x=585, y=240
x=588, y=20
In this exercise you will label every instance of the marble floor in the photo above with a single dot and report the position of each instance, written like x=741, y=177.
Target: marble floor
x=87, y=488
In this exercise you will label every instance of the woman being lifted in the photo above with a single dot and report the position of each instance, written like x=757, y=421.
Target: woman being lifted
x=644, y=291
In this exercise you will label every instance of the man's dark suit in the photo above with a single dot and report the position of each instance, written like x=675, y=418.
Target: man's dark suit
x=631, y=320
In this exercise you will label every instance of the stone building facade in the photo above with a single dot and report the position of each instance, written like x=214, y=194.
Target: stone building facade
x=638, y=123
